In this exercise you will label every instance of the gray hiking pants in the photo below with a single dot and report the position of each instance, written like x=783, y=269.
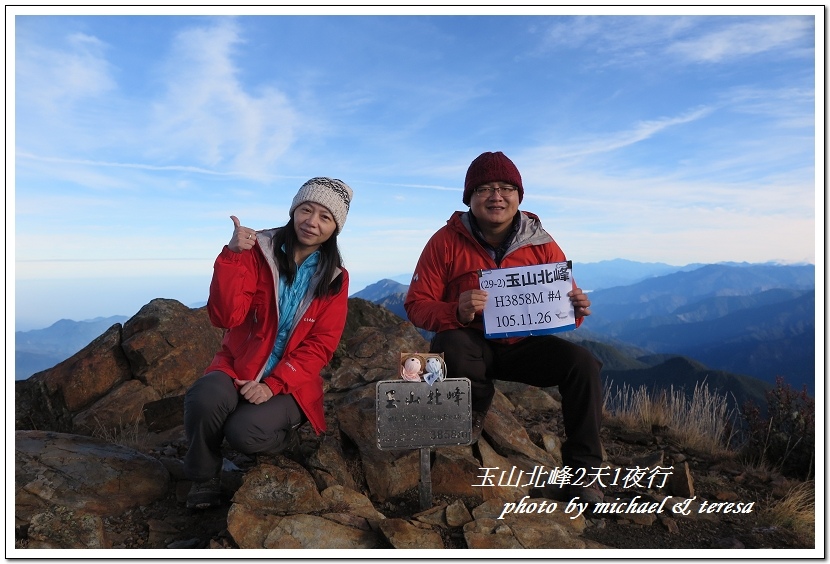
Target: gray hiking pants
x=214, y=410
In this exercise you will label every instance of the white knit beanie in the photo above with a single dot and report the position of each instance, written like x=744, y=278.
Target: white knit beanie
x=330, y=192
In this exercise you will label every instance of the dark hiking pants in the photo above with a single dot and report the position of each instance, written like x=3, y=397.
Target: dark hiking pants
x=541, y=361
x=214, y=410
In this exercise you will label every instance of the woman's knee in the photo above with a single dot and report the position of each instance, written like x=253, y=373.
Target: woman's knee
x=211, y=390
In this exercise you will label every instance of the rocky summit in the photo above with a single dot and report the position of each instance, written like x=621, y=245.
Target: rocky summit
x=99, y=444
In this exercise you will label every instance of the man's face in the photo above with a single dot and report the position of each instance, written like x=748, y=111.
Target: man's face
x=494, y=204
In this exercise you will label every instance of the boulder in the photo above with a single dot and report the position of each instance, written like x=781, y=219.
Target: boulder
x=122, y=408
x=90, y=373
x=279, y=490
x=402, y=533
x=373, y=354
x=59, y=527
x=82, y=474
x=310, y=531
x=169, y=345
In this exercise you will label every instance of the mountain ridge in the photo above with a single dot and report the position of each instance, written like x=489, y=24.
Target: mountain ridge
x=622, y=327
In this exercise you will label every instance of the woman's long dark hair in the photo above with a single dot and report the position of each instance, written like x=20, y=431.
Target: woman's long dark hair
x=330, y=260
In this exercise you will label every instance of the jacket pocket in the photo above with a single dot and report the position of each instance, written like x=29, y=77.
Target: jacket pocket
x=239, y=337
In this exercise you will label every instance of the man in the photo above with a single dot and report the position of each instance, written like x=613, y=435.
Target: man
x=444, y=296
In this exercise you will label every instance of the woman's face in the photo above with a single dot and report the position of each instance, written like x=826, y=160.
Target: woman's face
x=313, y=224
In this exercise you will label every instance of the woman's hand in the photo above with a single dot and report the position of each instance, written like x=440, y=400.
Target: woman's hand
x=243, y=238
x=254, y=392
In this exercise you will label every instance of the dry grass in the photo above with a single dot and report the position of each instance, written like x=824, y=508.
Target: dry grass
x=703, y=421
x=132, y=435
x=796, y=511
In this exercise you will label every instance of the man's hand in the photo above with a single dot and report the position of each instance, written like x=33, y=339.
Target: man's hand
x=254, y=392
x=470, y=303
x=580, y=302
x=243, y=238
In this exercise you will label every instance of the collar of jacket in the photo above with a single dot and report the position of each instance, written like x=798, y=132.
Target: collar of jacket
x=530, y=230
x=265, y=239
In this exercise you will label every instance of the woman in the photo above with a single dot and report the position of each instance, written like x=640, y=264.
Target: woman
x=281, y=295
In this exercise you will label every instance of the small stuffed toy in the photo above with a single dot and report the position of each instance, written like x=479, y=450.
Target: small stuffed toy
x=434, y=371
x=411, y=369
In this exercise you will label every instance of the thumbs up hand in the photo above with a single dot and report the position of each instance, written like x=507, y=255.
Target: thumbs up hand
x=243, y=238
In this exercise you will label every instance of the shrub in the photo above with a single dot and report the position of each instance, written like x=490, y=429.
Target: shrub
x=783, y=437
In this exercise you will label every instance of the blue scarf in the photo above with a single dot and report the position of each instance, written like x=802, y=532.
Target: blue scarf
x=290, y=296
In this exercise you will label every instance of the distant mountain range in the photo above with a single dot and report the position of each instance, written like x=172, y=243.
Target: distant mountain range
x=735, y=325
x=746, y=323
x=44, y=348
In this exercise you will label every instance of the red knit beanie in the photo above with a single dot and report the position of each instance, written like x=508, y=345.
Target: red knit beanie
x=491, y=167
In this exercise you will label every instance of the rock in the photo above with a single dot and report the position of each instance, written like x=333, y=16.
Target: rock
x=487, y=533
x=274, y=490
x=681, y=483
x=388, y=473
x=553, y=445
x=670, y=525
x=61, y=528
x=374, y=354
x=249, y=529
x=728, y=543
x=163, y=414
x=82, y=474
x=506, y=435
x=531, y=398
x=122, y=408
x=726, y=495
x=328, y=466
x=457, y=514
x=403, y=534
x=169, y=345
x=533, y=528
x=309, y=531
x=73, y=491
x=651, y=461
x=454, y=471
x=501, y=469
x=36, y=407
x=346, y=500
x=433, y=516
x=161, y=533
x=90, y=373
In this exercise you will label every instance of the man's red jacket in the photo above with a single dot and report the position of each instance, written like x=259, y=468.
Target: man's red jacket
x=450, y=262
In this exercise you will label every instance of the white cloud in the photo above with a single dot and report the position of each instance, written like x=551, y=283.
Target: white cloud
x=627, y=39
x=51, y=77
x=639, y=132
x=743, y=39
x=206, y=115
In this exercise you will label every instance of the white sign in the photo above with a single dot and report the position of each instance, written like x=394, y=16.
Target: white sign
x=528, y=300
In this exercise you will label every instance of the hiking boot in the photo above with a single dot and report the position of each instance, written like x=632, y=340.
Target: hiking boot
x=204, y=495
x=555, y=492
x=590, y=494
x=567, y=492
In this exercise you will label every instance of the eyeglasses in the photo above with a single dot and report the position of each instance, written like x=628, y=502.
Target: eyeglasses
x=490, y=190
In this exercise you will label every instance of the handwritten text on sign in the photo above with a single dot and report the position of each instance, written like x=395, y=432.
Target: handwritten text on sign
x=528, y=300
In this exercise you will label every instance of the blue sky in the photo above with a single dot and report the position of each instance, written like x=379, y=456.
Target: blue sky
x=676, y=139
